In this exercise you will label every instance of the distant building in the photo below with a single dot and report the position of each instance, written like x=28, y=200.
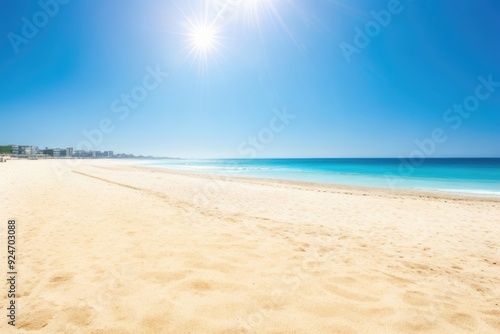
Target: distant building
x=27, y=150
x=49, y=152
x=81, y=154
x=33, y=151
x=52, y=152
x=20, y=150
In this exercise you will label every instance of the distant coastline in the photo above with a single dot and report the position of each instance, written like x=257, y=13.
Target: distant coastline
x=34, y=152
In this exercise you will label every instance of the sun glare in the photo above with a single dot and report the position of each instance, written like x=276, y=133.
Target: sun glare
x=203, y=38
x=203, y=27
x=203, y=41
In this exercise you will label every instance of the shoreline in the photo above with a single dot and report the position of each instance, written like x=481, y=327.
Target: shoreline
x=424, y=192
x=438, y=194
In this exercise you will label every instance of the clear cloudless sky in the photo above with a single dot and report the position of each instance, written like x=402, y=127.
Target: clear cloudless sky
x=269, y=55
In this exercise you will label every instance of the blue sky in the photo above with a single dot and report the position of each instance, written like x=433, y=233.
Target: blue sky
x=70, y=76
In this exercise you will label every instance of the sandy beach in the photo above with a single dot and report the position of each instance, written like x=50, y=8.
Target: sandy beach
x=114, y=247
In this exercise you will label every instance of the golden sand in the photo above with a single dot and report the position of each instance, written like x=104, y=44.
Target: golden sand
x=111, y=247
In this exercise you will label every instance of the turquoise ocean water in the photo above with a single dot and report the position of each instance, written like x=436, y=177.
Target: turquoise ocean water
x=468, y=176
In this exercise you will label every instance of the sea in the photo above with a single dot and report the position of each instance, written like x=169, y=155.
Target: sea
x=472, y=176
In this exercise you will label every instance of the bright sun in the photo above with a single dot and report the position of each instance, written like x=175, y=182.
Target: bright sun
x=203, y=41
x=203, y=38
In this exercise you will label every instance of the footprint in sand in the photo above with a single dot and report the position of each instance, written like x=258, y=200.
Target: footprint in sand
x=165, y=277
x=416, y=298
x=156, y=324
x=417, y=323
x=80, y=316
x=461, y=320
x=349, y=294
x=420, y=268
x=398, y=280
x=493, y=322
x=60, y=278
x=35, y=319
x=200, y=285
